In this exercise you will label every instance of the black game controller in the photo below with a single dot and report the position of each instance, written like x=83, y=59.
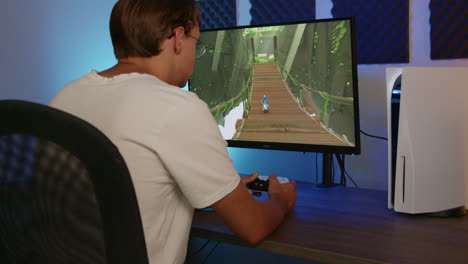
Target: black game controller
x=258, y=185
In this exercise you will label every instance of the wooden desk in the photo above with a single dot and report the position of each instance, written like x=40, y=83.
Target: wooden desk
x=348, y=225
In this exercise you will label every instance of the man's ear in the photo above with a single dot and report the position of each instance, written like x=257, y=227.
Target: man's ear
x=179, y=35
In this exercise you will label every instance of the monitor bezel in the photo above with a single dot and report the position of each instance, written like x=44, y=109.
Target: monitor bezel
x=304, y=147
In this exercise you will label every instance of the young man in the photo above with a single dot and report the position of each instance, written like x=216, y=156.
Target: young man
x=168, y=138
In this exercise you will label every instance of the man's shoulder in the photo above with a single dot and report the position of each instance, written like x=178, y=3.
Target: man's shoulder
x=154, y=85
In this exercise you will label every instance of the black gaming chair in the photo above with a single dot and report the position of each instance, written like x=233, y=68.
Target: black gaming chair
x=66, y=195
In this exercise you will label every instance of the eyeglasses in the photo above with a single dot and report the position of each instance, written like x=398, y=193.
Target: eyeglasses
x=200, y=46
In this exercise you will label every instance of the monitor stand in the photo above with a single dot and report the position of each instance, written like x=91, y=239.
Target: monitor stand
x=327, y=177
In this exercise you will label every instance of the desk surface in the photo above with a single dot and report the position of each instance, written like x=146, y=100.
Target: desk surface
x=348, y=225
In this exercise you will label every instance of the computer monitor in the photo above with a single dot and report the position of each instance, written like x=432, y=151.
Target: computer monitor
x=290, y=86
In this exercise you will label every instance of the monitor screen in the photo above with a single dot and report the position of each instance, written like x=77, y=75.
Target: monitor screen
x=282, y=86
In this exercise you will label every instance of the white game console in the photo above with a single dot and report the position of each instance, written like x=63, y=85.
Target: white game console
x=428, y=140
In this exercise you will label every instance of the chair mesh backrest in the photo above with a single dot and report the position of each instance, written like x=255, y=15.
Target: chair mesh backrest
x=65, y=192
x=48, y=209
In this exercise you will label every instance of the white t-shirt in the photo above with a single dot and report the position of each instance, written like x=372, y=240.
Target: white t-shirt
x=172, y=146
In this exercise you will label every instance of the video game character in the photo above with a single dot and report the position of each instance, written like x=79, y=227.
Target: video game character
x=265, y=106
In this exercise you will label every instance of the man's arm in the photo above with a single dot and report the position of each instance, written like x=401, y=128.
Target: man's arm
x=253, y=220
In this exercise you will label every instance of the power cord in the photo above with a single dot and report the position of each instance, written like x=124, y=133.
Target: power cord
x=197, y=251
x=372, y=136
x=351, y=179
x=316, y=168
x=341, y=161
x=211, y=251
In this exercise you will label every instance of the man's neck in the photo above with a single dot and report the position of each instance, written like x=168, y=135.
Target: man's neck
x=139, y=65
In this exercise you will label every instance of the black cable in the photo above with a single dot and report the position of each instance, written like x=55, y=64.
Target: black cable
x=383, y=138
x=211, y=251
x=340, y=160
x=316, y=169
x=351, y=178
x=332, y=170
x=198, y=250
x=344, y=170
x=346, y=173
x=343, y=166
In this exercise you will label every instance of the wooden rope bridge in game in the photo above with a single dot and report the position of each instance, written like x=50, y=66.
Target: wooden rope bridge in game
x=285, y=121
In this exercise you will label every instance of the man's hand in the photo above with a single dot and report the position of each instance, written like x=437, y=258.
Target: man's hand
x=253, y=220
x=248, y=179
x=285, y=192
